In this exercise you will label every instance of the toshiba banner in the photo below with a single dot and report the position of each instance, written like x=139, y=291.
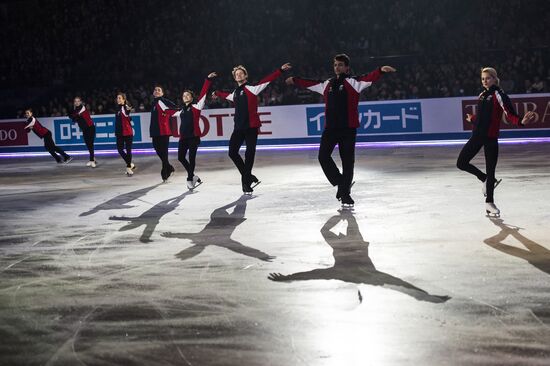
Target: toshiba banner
x=400, y=120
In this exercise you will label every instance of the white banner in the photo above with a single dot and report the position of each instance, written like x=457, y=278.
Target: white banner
x=399, y=120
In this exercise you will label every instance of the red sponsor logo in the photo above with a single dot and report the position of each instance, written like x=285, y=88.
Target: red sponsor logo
x=216, y=121
x=539, y=105
x=13, y=134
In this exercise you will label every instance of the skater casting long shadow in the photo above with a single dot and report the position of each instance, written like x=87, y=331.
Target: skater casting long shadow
x=218, y=232
x=352, y=263
x=120, y=201
x=151, y=217
x=537, y=255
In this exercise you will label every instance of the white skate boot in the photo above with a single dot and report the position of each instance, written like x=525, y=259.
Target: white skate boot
x=129, y=172
x=194, y=183
x=492, y=210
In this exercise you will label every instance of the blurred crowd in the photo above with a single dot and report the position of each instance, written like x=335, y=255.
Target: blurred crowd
x=54, y=50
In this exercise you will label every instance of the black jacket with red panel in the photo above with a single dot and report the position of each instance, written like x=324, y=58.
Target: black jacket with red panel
x=123, y=121
x=191, y=113
x=81, y=115
x=492, y=104
x=341, y=96
x=36, y=127
x=162, y=110
x=245, y=99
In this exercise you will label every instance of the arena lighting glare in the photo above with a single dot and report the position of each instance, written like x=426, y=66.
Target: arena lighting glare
x=393, y=144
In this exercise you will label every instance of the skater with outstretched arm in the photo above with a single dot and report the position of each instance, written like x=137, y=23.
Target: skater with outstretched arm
x=35, y=126
x=247, y=121
x=492, y=104
x=190, y=131
x=159, y=129
x=341, y=96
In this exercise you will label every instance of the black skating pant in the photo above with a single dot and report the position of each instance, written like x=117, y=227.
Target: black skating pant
x=191, y=145
x=89, y=137
x=470, y=150
x=238, y=137
x=53, y=149
x=345, y=139
x=125, y=143
x=160, y=143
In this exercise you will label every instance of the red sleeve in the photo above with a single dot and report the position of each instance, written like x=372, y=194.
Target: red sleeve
x=371, y=76
x=508, y=108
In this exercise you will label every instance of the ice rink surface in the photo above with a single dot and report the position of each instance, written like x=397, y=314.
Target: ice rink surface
x=97, y=268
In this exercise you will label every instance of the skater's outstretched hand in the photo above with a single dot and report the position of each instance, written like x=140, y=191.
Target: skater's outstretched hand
x=388, y=69
x=528, y=118
x=469, y=117
x=212, y=75
x=276, y=277
x=286, y=66
x=289, y=81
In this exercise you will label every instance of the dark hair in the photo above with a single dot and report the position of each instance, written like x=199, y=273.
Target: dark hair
x=123, y=95
x=190, y=92
x=28, y=109
x=158, y=86
x=342, y=57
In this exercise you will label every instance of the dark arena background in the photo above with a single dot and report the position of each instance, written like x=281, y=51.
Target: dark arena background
x=403, y=214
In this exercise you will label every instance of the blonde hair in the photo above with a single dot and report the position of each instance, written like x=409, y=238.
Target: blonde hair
x=491, y=71
x=239, y=67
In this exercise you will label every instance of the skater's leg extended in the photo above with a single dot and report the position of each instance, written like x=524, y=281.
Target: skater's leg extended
x=346, y=147
x=193, y=147
x=468, y=152
x=251, y=139
x=235, y=143
x=50, y=146
x=128, y=141
x=183, y=147
x=491, y=157
x=328, y=142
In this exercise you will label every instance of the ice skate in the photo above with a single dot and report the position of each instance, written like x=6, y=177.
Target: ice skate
x=93, y=163
x=254, y=181
x=129, y=172
x=347, y=202
x=68, y=160
x=492, y=210
x=132, y=166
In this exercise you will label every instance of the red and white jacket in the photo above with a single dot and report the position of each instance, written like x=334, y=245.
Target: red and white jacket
x=162, y=110
x=123, y=122
x=341, y=96
x=190, y=114
x=81, y=115
x=492, y=104
x=245, y=99
x=36, y=127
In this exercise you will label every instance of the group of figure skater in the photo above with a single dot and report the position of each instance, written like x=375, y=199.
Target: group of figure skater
x=341, y=97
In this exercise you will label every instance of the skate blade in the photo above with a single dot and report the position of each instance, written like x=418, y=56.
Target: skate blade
x=254, y=185
x=347, y=207
x=489, y=214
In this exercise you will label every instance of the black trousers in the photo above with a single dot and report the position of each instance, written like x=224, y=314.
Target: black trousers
x=122, y=143
x=470, y=150
x=345, y=139
x=191, y=145
x=53, y=149
x=160, y=143
x=238, y=137
x=89, y=137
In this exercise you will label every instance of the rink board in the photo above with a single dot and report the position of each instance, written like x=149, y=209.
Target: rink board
x=380, y=121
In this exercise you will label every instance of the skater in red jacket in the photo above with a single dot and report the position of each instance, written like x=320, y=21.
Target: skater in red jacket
x=247, y=121
x=492, y=104
x=341, y=95
x=81, y=115
x=45, y=134
x=124, y=132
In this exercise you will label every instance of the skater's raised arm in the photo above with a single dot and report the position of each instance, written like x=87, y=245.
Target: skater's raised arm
x=262, y=84
x=317, y=86
x=202, y=96
x=222, y=94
